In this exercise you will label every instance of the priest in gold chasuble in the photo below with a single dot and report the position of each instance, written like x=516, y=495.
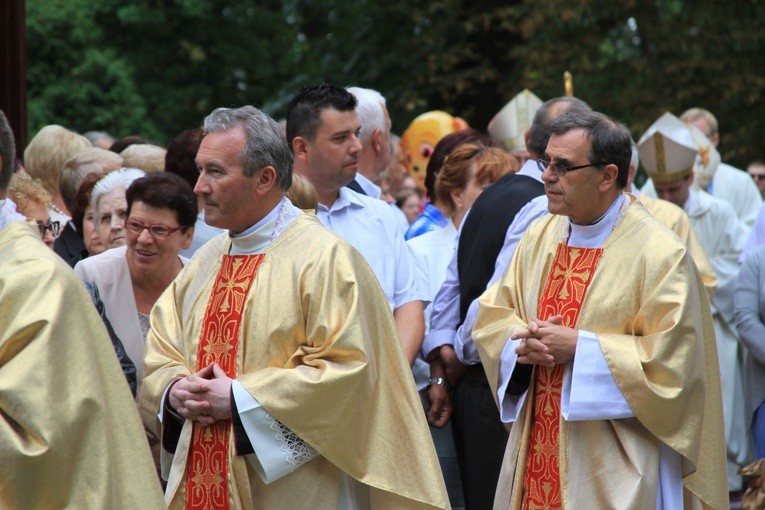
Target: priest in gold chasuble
x=273, y=371
x=599, y=346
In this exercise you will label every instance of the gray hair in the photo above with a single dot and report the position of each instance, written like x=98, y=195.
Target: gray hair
x=265, y=145
x=119, y=179
x=635, y=160
x=539, y=132
x=369, y=108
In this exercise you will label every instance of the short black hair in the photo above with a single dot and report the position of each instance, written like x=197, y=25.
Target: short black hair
x=164, y=190
x=610, y=140
x=304, y=111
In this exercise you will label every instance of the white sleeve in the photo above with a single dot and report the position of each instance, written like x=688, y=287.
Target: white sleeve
x=509, y=405
x=589, y=390
x=278, y=450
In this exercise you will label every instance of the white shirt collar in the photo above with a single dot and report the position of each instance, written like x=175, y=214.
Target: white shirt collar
x=530, y=169
x=369, y=187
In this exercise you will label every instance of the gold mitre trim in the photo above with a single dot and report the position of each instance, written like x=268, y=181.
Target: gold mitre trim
x=667, y=150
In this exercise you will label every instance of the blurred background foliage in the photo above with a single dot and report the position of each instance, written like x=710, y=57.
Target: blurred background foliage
x=156, y=67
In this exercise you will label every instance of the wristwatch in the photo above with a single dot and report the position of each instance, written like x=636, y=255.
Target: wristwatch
x=439, y=380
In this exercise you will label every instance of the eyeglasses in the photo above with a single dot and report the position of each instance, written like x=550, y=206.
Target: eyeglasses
x=561, y=169
x=758, y=177
x=155, y=230
x=53, y=226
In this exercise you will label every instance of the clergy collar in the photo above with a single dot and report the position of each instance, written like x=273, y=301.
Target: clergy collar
x=592, y=236
x=259, y=236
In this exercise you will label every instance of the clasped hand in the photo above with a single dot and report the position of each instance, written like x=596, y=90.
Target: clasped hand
x=546, y=343
x=204, y=397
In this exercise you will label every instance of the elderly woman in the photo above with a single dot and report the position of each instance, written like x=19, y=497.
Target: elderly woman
x=82, y=217
x=33, y=200
x=110, y=206
x=161, y=211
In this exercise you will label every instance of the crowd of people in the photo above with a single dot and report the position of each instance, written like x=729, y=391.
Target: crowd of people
x=316, y=313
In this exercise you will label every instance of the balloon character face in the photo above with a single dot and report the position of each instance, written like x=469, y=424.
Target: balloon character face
x=421, y=137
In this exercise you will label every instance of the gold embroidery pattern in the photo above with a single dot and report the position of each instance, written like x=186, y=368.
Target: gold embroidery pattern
x=207, y=482
x=563, y=294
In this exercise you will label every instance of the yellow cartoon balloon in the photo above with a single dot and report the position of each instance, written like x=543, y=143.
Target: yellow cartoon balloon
x=421, y=137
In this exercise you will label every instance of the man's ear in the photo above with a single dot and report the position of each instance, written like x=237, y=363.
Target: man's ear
x=377, y=143
x=266, y=179
x=609, y=175
x=300, y=147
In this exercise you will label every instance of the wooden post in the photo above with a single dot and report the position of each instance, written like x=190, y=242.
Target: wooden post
x=13, y=69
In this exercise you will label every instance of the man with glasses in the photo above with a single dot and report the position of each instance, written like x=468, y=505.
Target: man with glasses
x=488, y=237
x=756, y=171
x=69, y=433
x=622, y=408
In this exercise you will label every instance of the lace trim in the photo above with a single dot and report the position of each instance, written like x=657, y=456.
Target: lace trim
x=284, y=218
x=298, y=451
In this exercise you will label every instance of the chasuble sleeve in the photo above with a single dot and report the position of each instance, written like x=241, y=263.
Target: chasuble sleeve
x=69, y=433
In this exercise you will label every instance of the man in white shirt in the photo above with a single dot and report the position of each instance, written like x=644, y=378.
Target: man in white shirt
x=323, y=132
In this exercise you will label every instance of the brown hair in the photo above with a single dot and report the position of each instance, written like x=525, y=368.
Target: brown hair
x=491, y=163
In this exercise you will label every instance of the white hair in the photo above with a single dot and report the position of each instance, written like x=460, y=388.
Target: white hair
x=119, y=179
x=369, y=108
x=635, y=160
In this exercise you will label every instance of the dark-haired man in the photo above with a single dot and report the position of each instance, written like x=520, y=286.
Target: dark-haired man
x=623, y=408
x=323, y=132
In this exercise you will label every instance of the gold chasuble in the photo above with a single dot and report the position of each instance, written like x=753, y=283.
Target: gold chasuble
x=316, y=345
x=207, y=483
x=646, y=305
x=70, y=436
x=571, y=273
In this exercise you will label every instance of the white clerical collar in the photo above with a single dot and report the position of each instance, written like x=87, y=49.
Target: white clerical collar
x=258, y=237
x=8, y=212
x=690, y=204
x=593, y=236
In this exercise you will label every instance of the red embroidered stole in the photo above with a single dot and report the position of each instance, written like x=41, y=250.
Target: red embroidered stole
x=207, y=480
x=563, y=294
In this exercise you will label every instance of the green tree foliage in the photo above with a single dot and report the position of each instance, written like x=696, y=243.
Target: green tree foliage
x=156, y=67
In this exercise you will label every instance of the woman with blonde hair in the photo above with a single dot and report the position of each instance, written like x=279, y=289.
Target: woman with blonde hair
x=44, y=159
x=33, y=200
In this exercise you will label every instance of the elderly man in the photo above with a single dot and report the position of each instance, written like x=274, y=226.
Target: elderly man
x=271, y=359
x=374, y=134
x=69, y=433
x=323, y=131
x=622, y=409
